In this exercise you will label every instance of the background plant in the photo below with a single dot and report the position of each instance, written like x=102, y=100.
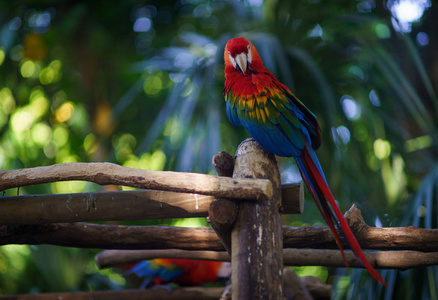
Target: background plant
x=140, y=84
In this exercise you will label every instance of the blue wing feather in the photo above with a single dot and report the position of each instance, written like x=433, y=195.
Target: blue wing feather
x=232, y=115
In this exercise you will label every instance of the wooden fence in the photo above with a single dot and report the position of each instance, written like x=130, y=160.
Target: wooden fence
x=243, y=204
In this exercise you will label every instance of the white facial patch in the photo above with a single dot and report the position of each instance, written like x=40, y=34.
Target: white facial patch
x=233, y=61
x=249, y=56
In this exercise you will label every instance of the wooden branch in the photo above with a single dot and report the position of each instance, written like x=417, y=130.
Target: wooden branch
x=222, y=215
x=111, y=258
x=294, y=288
x=223, y=212
x=108, y=173
x=256, y=238
x=377, y=238
x=223, y=162
x=181, y=293
x=161, y=237
x=102, y=206
x=316, y=288
x=400, y=260
x=86, y=235
x=292, y=198
x=114, y=206
x=292, y=194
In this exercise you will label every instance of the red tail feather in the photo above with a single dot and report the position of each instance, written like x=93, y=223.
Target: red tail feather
x=320, y=183
x=325, y=215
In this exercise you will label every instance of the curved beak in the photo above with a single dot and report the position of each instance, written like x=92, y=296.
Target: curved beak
x=242, y=61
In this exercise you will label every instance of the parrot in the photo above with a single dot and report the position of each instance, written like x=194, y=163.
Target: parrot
x=284, y=126
x=181, y=271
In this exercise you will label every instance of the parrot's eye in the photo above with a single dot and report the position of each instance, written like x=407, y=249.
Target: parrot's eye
x=249, y=57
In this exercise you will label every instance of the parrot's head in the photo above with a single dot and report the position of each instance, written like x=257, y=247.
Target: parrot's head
x=240, y=55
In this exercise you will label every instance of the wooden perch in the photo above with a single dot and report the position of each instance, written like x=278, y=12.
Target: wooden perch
x=87, y=235
x=108, y=173
x=118, y=206
x=181, y=293
x=256, y=237
x=400, y=260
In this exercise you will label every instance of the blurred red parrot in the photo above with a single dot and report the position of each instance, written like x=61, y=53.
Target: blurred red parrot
x=180, y=271
x=282, y=125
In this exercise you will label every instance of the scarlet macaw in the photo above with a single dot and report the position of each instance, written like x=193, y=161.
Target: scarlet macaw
x=282, y=125
x=180, y=271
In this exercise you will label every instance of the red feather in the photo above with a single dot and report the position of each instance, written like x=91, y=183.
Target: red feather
x=322, y=185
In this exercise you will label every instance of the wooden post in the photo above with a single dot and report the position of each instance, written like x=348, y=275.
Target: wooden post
x=223, y=212
x=256, y=238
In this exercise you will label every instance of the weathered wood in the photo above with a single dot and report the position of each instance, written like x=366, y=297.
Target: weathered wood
x=223, y=212
x=111, y=258
x=179, y=293
x=381, y=238
x=294, y=288
x=115, y=206
x=102, y=206
x=86, y=235
x=109, y=173
x=316, y=288
x=222, y=215
x=182, y=293
x=400, y=260
x=223, y=162
x=256, y=238
x=292, y=198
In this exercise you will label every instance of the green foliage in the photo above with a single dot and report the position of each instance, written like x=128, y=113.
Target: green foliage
x=140, y=84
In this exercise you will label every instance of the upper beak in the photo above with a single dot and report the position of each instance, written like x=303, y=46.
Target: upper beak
x=242, y=61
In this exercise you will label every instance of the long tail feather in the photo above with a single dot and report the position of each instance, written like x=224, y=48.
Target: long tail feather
x=316, y=183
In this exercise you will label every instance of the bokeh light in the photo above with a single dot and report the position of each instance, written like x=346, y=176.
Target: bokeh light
x=406, y=12
x=64, y=112
x=382, y=31
x=382, y=149
x=41, y=134
x=374, y=99
x=2, y=55
x=341, y=136
x=52, y=73
x=142, y=24
x=352, y=109
x=422, y=39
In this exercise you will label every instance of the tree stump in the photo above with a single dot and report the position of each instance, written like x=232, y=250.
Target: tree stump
x=256, y=238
